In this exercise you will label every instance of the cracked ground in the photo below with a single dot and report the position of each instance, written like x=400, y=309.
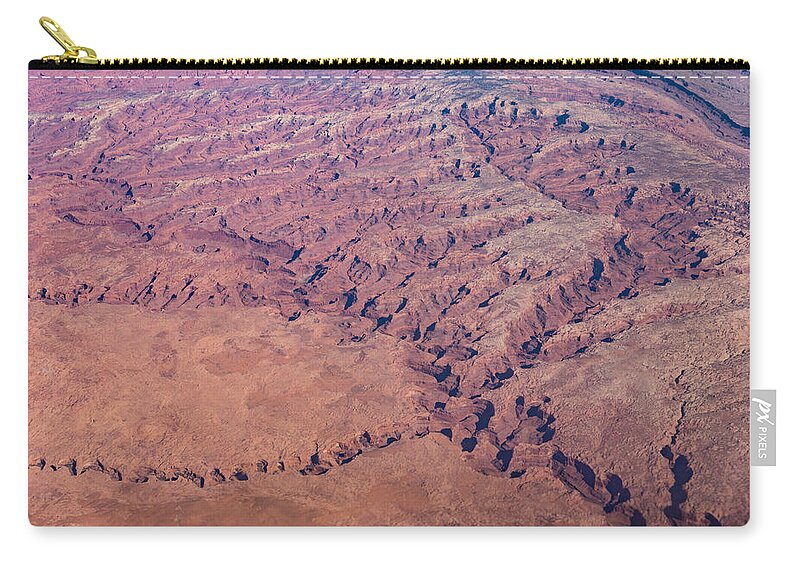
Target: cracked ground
x=377, y=299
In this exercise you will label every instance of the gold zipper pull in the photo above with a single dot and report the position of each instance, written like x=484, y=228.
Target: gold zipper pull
x=72, y=53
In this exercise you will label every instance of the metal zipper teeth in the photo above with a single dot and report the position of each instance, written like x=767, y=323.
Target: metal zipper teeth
x=391, y=63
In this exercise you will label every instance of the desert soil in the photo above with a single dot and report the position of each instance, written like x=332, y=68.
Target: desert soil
x=382, y=298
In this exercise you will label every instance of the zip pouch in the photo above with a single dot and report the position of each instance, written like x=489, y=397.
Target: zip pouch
x=382, y=292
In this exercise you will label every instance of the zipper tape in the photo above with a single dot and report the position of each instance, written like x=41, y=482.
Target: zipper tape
x=79, y=57
x=391, y=63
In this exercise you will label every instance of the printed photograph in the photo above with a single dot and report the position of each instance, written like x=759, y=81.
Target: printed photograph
x=388, y=297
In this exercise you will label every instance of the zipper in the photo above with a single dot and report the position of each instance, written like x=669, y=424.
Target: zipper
x=73, y=53
x=79, y=57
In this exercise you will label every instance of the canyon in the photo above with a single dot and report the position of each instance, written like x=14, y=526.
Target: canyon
x=380, y=297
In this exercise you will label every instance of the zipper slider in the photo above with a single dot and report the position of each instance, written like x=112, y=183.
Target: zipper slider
x=72, y=53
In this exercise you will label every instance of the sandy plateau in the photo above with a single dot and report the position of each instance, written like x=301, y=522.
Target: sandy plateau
x=463, y=298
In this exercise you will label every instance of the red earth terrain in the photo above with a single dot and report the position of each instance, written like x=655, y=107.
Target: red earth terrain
x=388, y=298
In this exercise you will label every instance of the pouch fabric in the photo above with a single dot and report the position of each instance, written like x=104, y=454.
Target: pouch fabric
x=388, y=297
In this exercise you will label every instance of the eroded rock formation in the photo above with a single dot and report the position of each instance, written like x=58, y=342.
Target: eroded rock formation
x=259, y=283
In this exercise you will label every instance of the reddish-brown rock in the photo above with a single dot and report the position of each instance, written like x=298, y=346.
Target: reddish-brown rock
x=457, y=295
